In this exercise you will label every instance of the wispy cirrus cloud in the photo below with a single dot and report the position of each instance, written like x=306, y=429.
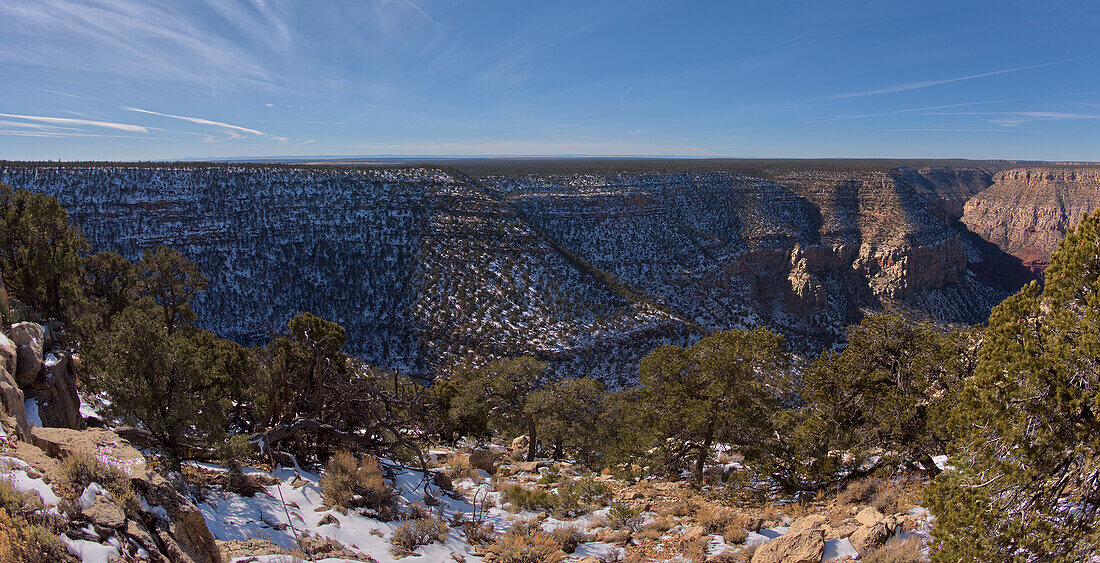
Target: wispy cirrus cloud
x=78, y=122
x=929, y=83
x=232, y=131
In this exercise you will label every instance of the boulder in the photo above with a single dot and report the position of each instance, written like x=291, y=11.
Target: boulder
x=838, y=532
x=105, y=513
x=520, y=444
x=29, y=339
x=866, y=538
x=869, y=516
x=55, y=391
x=485, y=460
x=11, y=405
x=799, y=547
x=811, y=522
x=328, y=519
x=530, y=466
x=8, y=353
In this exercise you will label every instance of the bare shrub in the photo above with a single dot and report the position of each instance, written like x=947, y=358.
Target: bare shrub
x=81, y=470
x=347, y=484
x=715, y=518
x=415, y=533
x=527, y=546
x=909, y=550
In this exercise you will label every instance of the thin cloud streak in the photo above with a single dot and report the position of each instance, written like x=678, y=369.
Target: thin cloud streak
x=422, y=12
x=71, y=121
x=234, y=131
x=929, y=83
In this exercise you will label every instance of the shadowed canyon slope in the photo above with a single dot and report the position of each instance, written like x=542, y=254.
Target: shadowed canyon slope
x=589, y=266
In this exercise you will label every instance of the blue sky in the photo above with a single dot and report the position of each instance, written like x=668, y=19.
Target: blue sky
x=126, y=79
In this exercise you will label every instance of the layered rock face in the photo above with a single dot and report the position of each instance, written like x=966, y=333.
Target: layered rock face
x=427, y=267
x=1028, y=210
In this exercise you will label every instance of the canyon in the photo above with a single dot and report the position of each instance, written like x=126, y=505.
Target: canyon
x=589, y=264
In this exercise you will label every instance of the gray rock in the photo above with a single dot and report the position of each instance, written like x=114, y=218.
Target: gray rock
x=29, y=338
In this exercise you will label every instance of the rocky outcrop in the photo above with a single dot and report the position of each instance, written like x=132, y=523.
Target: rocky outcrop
x=1028, y=210
x=173, y=528
x=54, y=391
x=12, y=413
x=42, y=374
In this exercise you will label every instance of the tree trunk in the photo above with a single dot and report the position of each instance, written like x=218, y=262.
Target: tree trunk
x=704, y=451
x=531, y=446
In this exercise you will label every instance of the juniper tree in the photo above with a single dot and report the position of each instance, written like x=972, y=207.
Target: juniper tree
x=716, y=391
x=887, y=390
x=39, y=252
x=173, y=281
x=1028, y=484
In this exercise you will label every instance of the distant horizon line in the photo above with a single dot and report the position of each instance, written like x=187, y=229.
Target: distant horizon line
x=396, y=158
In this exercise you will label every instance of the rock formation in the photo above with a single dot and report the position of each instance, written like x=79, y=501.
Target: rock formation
x=1028, y=210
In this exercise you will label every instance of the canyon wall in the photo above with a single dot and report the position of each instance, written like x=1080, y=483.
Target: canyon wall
x=427, y=267
x=1028, y=210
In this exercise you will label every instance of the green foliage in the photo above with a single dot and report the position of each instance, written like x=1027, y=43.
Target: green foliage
x=110, y=285
x=163, y=381
x=498, y=395
x=173, y=281
x=574, y=417
x=39, y=252
x=888, y=390
x=1030, y=437
x=624, y=516
x=302, y=367
x=717, y=391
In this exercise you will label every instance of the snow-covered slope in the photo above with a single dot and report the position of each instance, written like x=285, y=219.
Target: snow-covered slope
x=426, y=267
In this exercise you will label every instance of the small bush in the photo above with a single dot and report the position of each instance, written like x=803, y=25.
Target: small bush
x=347, y=484
x=550, y=476
x=860, y=491
x=415, y=533
x=459, y=468
x=624, y=516
x=591, y=490
x=715, y=518
x=735, y=534
x=23, y=540
x=527, y=546
x=909, y=550
x=479, y=534
x=81, y=470
x=569, y=537
x=530, y=499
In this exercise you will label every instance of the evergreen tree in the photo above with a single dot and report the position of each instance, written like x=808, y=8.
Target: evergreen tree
x=173, y=281
x=39, y=252
x=1028, y=487
x=716, y=391
x=573, y=415
x=501, y=392
x=888, y=390
x=160, y=381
